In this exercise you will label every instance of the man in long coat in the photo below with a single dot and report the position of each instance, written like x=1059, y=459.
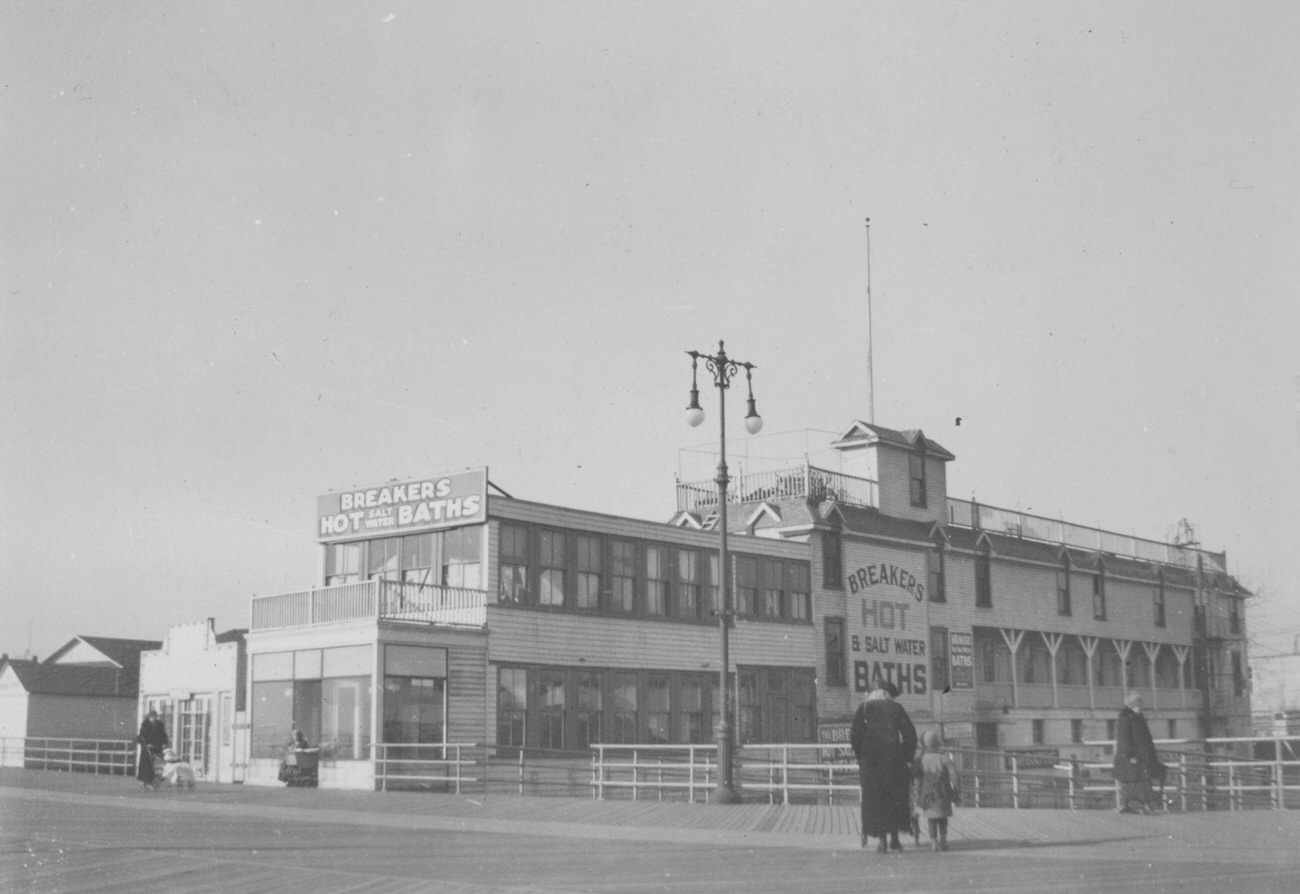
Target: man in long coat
x=884, y=741
x=1136, y=762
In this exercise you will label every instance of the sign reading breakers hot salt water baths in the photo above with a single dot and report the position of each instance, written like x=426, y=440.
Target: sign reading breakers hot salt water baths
x=405, y=507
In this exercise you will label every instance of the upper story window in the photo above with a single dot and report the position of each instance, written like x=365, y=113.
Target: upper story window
x=656, y=580
x=587, y=583
x=417, y=559
x=746, y=585
x=1158, y=601
x=836, y=652
x=462, y=557
x=935, y=560
x=342, y=563
x=1234, y=615
x=916, y=478
x=688, y=583
x=512, y=575
x=772, y=604
x=550, y=579
x=382, y=558
x=983, y=580
x=798, y=590
x=1063, y=606
x=622, y=576
x=832, y=559
x=1099, y=595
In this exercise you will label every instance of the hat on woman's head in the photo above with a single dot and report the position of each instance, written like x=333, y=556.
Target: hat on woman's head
x=930, y=739
x=1133, y=700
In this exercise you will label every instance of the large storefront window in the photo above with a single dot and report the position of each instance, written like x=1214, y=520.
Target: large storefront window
x=326, y=692
x=452, y=558
x=549, y=707
x=415, y=694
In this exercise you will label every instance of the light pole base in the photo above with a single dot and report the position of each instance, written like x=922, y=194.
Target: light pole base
x=725, y=794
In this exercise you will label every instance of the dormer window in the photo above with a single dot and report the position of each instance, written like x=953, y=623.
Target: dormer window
x=916, y=478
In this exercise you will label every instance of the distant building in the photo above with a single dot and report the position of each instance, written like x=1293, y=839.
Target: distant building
x=447, y=615
x=195, y=681
x=87, y=689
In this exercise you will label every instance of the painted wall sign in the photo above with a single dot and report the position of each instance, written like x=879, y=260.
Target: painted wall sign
x=423, y=504
x=961, y=660
x=885, y=574
x=891, y=645
x=835, y=734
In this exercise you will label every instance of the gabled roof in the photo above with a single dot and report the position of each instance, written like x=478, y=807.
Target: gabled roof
x=121, y=653
x=911, y=440
x=41, y=678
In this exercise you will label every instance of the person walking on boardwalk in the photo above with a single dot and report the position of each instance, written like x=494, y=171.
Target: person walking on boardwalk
x=884, y=742
x=1136, y=761
x=152, y=739
x=938, y=788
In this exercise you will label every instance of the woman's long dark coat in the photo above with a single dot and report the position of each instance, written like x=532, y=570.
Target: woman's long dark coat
x=1135, y=753
x=152, y=738
x=884, y=740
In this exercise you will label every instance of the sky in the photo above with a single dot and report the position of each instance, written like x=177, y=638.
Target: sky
x=252, y=253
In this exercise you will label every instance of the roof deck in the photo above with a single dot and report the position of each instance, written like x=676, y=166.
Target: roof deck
x=375, y=600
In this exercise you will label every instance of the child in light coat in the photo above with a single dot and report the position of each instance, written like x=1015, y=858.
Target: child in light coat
x=938, y=788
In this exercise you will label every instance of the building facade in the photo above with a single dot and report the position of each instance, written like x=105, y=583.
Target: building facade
x=195, y=681
x=446, y=614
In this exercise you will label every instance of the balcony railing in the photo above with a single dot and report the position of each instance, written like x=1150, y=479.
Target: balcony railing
x=800, y=481
x=969, y=514
x=372, y=599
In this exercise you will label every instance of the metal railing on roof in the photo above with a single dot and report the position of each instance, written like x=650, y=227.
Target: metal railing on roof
x=798, y=481
x=1023, y=525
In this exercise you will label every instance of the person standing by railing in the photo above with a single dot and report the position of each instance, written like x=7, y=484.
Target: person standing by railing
x=152, y=739
x=884, y=740
x=1136, y=762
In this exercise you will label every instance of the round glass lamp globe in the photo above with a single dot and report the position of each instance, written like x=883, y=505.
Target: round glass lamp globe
x=753, y=424
x=693, y=416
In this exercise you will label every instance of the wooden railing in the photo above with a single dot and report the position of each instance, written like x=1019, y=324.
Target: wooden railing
x=114, y=757
x=386, y=599
x=798, y=481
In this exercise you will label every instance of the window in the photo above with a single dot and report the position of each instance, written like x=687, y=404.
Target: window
x=589, y=709
x=1110, y=730
x=690, y=712
x=799, y=588
x=1039, y=731
x=1158, y=602
x=986, y=735
x=658, y=710
x=935, y=560
x=1234, y=616
x=1171, y=728
x=832, y=559
x=417, y=559
x=836, y=655
x=656, y=580
x=1076, y=732
x=622, y=718
x=413, y=709
x=1238, y=678
x=750, y=728
x=462, y=557
x=550, y=709
x=513, y=573
x=710, y=590
x=512, y=705
x=1099, y=595
x=983, y=581
x=623, y=576
x=588, y=574
x=746, y=586
x=382, y=559
x=550, y=579
x=1063, y=588
x=342, y=563
x=687, y=602
x=916, y=477
x=939, y=658
x=772, y=592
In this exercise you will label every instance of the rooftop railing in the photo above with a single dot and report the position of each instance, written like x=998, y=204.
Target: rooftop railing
x=372, y=599
x=799, y=481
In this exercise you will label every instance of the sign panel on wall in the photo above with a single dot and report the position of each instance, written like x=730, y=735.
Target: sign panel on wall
x=961, y=660
x=886, y=627
x=406, y=507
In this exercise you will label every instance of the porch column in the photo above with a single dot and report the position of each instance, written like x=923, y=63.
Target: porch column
x=1123, y=647
x=1152, y=650
x=1012, y=638
x=1053, y=641
x=1089, y=644
x=1181, y=653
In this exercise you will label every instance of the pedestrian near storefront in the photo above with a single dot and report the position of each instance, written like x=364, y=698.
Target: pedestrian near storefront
x=884, y=742
x=938, y=788
x=152, y=739
x=1136, y=763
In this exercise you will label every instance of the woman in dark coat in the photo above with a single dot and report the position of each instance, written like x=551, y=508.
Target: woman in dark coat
x=152, y=740
x=1136, y=762
x=884, y=742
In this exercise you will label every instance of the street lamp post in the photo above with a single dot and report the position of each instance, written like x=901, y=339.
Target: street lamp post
x=723, y=368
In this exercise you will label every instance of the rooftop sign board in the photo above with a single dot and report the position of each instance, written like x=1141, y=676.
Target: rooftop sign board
x=403, y=507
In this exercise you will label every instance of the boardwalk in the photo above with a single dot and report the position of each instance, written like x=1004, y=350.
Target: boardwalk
x=68, y=833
